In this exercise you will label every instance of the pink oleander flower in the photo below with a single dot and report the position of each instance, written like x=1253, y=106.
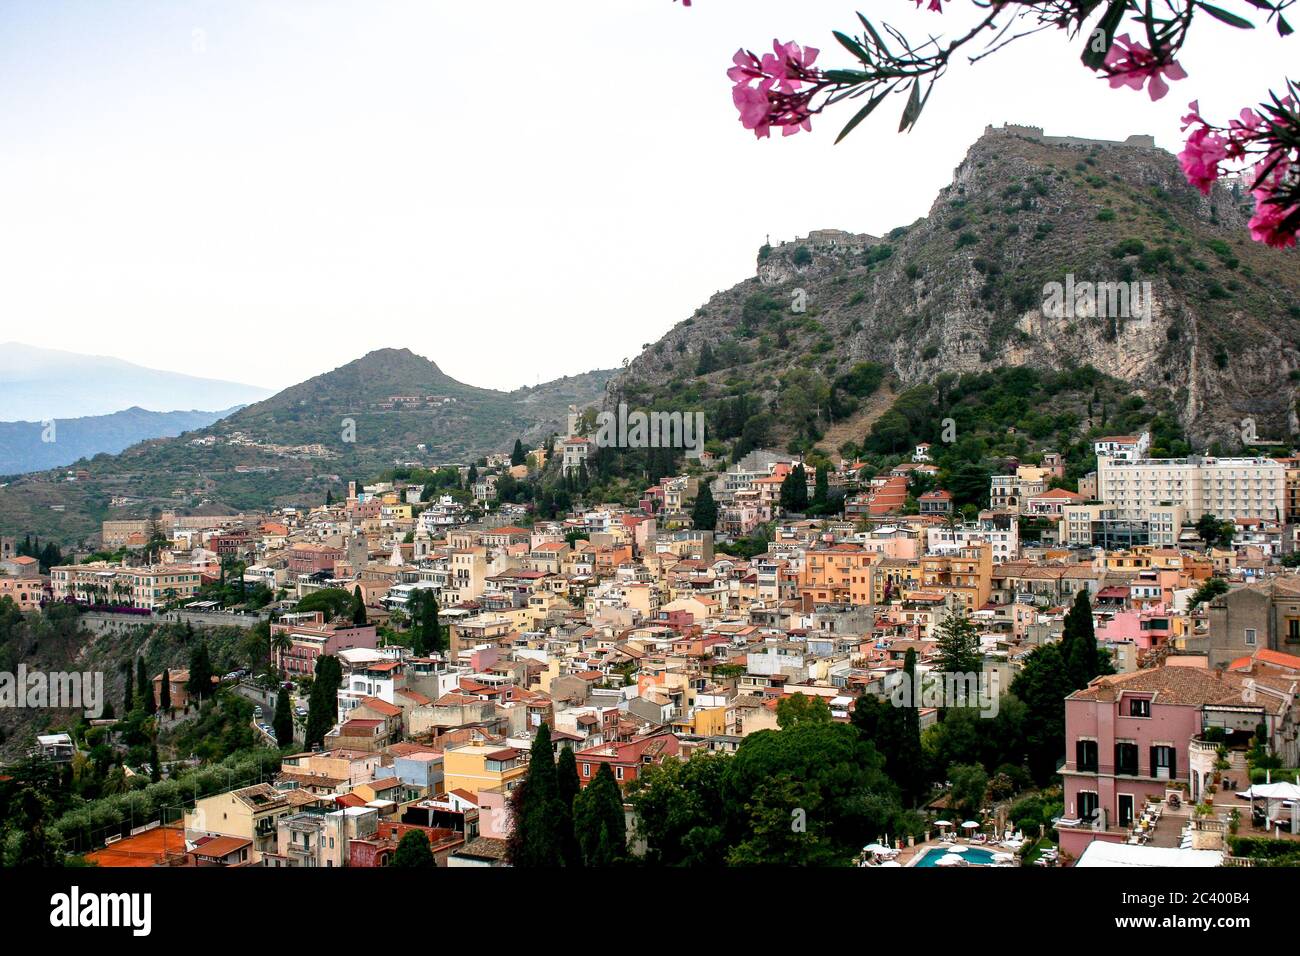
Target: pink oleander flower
x=1129, y=63
x=1266, y=225
x=936, y=6
x=770, y=91
x=1201, y=157
x=790, y=65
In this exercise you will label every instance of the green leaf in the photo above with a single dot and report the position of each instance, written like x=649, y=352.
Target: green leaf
x=852, y=45
x=1283, y=28
x=913, y=108
x=1229, y=18
x=1108, y=24
x=862, y=114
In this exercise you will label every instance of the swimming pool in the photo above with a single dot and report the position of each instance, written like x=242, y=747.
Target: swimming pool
x=974, y=856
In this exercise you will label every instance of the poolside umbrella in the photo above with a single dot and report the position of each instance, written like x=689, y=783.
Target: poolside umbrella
x=957, y=849
x=1003, y=858
x=891, y=863
x=943, y=823
x=875, y=848
x=950, y=859
x=970, y=825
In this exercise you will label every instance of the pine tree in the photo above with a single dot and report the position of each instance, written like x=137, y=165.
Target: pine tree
x=599, y=820
x=705, y=515
x=957, y=642
x=413, y=852
x=707, y=363
x=568, y=787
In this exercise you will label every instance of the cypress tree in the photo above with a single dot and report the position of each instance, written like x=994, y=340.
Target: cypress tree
x=282, y=722
x=536, y=836
x=1084, y=660
x=908, y=760
x=358, y=609
x=517, y=456
x=165, y=693
x=705, y=515
x=200, y=683
x=794, y=490
x=144, y=687
x=128, y=689
x=599, y=820
x=322, y=705
x=568, y=787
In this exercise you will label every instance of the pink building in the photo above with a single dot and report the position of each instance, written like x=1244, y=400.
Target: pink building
x=1147, y=628
x=1133, y=737
x=311, y=638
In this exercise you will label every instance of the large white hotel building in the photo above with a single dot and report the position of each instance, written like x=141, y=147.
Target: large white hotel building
x=1224, y=487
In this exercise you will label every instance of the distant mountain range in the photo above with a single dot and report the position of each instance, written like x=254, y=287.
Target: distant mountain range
x=34, y=446
x=39, y=384
x=390, y=408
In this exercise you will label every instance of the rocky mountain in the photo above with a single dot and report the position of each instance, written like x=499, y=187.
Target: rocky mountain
x=41, y=384
x=968, y=288
x=33, y=446
x=390, y=408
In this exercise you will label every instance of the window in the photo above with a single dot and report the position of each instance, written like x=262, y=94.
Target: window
x=1250, y=636
x=618, y=772
x=1126, y=758
x=1139, y=707
x=1087, y=804
x=586, y=770
x=1085, y=756
x=1164, y=763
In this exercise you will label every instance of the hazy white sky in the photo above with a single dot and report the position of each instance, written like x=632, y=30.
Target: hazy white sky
x=517, y=189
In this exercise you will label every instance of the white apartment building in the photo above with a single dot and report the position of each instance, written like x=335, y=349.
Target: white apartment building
x=1004, y=543
x=1224, y=487
x=1123, y=447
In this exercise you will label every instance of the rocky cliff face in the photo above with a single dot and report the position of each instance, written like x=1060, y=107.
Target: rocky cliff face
x=1213, y=325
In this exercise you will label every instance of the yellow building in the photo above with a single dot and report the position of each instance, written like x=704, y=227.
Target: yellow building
x=251, y=813
x=840, y=574
x=476, y=767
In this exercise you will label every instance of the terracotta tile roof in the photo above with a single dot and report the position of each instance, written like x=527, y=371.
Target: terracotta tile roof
x=1178, y=686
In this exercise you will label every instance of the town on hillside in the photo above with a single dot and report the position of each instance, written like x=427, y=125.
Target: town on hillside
x=429, y=671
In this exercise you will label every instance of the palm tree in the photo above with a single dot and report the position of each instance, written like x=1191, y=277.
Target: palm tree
x=280, y=642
